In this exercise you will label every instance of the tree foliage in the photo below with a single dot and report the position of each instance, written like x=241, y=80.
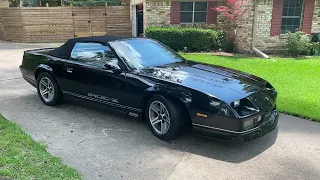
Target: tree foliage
x=232, y=10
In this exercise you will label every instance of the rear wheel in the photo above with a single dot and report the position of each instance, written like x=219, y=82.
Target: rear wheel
x=164, y=117
x=48, y=90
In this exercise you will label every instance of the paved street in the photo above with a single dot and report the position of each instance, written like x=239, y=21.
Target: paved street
x=103, y=145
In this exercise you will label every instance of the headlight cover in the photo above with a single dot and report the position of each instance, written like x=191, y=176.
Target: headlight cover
x=269, y=87
x=244, y=107
x=248, y=124
x=221, y=108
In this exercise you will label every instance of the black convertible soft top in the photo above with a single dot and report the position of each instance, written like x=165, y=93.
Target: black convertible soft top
x=64, y=51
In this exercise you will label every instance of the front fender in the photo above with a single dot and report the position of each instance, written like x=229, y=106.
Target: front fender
x=179, y=93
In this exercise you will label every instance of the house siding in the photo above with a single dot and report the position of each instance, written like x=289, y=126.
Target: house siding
x=276, y=19
x=175, y=12
x=308, y=15
x=212, y=14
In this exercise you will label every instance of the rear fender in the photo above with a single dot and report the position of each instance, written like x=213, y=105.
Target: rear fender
x=43, y=68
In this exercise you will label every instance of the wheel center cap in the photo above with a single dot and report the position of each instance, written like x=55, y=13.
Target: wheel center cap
x=162, y=116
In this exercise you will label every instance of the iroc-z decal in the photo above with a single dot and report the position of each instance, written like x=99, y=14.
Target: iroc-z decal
x=103, y=97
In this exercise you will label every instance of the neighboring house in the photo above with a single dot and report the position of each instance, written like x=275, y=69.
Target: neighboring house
x=263, y=24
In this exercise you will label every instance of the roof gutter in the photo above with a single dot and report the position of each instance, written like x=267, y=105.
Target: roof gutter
x=253, y=42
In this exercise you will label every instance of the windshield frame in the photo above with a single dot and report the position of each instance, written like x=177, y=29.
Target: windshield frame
x=129, y=68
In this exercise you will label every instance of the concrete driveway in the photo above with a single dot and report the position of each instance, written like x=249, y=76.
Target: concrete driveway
x=102, y=145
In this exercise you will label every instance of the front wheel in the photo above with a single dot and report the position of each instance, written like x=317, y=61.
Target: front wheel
x=48, y=89
x=164, y=117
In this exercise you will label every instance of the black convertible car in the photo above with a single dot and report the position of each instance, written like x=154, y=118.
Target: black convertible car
x=143, y=78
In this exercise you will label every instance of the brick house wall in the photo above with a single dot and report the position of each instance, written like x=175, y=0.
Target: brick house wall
x=158, y=13
x=264, y=40
x=268, y=37
x=316, y=18
x=243, y=37
x=268, y=43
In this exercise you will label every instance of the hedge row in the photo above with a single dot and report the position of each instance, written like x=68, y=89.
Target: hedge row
x=194, y=39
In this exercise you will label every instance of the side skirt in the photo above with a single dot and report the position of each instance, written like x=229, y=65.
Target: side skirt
x=102, y=104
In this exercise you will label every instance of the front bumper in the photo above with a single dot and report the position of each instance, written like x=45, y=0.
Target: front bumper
x=262, y=129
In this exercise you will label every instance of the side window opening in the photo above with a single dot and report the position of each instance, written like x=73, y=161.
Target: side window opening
x=94, y=54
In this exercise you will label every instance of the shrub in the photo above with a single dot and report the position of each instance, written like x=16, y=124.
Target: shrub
x=195, y=39
x=298, y=43
x=314, y=49
x=315, y=37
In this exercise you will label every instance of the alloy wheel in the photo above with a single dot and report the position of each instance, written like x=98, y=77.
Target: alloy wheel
x=159, y=117
x=46, y=89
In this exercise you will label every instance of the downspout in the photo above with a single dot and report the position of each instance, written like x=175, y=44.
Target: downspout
x=253, y=42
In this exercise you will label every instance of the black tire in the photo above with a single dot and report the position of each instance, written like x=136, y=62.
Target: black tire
x=175, y=114
x=57, y=94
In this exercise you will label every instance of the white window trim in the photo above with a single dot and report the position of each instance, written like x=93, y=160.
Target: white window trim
x=193, y=11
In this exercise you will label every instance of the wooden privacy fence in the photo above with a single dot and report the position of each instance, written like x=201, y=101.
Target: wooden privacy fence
x=56, y=24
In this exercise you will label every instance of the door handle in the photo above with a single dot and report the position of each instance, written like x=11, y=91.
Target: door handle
x=69, y=70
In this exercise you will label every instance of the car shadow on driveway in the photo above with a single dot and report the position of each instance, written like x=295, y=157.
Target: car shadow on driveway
x=87, y=131
x=189, y=142
x=225, y=151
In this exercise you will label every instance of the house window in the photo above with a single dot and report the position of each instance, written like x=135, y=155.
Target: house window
x=193, y=12
x=292, y=15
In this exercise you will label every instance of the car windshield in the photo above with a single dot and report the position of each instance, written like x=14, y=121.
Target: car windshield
x=141, y=53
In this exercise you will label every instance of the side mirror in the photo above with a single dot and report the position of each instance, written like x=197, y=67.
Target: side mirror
x=114, y=68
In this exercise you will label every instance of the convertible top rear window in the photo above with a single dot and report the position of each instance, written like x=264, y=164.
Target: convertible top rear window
x=141, y=53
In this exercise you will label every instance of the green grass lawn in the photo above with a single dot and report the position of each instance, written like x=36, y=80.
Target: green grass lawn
x=296, y=80
x=23, y=158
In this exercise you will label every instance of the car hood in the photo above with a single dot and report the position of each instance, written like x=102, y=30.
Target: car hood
x=223, y=83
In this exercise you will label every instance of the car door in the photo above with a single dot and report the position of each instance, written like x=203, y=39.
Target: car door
x=93, y=74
